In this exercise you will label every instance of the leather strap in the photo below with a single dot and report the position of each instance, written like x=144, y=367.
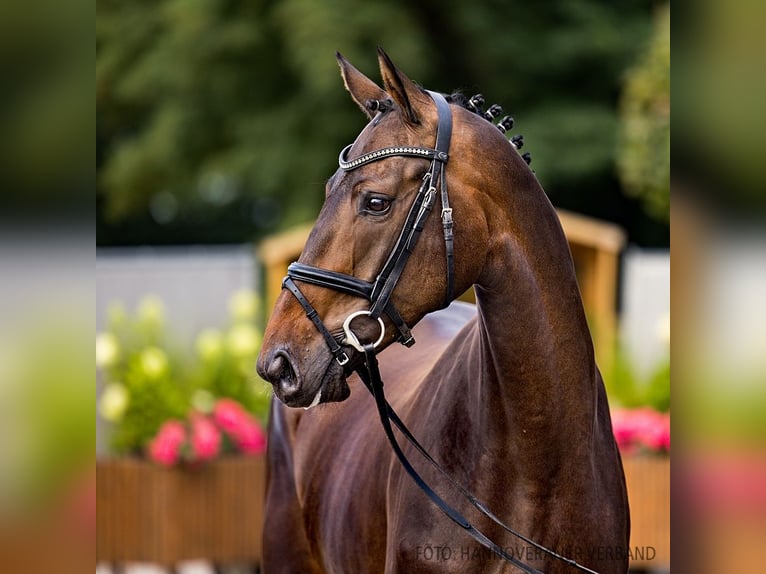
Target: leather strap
x=418, y=214
x=351, y=286
x=336, y=350
x=347, y=284
x=394, y=266
x=475, y=502
x=408, y=151
x=443, y=137
x=371, y=377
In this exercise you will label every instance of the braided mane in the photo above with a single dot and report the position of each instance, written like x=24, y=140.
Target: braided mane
x=475, y=104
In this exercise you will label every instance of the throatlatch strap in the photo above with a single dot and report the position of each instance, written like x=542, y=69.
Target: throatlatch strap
x=448, y=226
x=443, y=137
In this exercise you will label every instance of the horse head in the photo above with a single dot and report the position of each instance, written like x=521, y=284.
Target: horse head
x=361, y=265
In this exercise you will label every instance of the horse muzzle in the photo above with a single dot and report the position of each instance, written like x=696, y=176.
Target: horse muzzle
x=291, y=386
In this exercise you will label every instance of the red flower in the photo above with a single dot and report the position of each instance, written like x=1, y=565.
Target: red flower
x=240, y=426
x=205, y=438
x=227, y=413
x=250, y=438
x=165, y=447
x=641, y=428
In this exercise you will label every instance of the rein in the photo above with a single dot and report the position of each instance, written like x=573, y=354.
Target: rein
x=379, y=294
x=370, y=376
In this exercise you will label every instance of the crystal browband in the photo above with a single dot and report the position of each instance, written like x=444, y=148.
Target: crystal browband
x=425, y=153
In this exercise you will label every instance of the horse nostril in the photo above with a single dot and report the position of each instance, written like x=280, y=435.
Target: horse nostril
x=280, y=372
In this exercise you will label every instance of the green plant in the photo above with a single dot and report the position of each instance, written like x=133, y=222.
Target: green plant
x=149, y=380
x=629, y=389
x=644, y=149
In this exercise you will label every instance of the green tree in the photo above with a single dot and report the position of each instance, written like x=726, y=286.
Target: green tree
x=644, y=156
x=46, y=108
x=226, y=116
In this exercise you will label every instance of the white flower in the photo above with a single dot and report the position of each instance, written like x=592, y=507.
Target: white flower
x=151, y=311
x=243, y=340
x=243, y=305
x=154, y=362
x=107, y=350
x=114, y=402
x=209, y=344
x=203, y=401
x=663, y=329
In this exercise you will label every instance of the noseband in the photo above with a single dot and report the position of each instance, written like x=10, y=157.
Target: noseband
x=379, y=293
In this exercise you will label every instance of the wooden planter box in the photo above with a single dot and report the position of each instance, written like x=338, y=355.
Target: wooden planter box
x=151, y=514
x=648, y=481
x=215, y=512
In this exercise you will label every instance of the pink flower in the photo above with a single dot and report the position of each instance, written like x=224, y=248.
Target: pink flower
x=241, y=426
x=250, y=437
x=205, y=438
x=641, y=428
x=657, y=434
x=165, y=447
x=227, y=413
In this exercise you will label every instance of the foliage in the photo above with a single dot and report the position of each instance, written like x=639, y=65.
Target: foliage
x=628, y=389
x=46, y=401
x=644, y=156
x=46, y=106
x=149, y=382
x=224, y=118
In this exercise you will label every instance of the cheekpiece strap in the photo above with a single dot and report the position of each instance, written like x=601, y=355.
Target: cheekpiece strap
x=336, y=350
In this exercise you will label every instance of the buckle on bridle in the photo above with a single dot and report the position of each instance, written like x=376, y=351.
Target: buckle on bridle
x=353, y=340
x=342, y=358
x=430, y=197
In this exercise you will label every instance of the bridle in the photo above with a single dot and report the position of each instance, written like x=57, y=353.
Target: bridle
x=379, y=293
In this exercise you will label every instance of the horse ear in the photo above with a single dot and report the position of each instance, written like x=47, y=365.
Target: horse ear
x=403, y=90
x=361, y=88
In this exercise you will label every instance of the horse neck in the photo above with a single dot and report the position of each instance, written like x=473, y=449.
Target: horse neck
x=538, y=374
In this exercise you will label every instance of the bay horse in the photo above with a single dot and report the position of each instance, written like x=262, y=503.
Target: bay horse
x=506, y=395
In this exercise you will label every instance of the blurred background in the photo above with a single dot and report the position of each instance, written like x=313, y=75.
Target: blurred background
x=217, y=124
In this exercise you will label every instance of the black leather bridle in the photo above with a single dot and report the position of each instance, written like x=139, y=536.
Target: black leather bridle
x=379, y=294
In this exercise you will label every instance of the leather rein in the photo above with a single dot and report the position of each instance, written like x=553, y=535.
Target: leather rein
x=379, y=294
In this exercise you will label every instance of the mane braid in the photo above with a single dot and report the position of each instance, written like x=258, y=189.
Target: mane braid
x=475, y=105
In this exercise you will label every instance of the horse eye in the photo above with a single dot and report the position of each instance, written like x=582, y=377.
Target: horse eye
x=377, y=205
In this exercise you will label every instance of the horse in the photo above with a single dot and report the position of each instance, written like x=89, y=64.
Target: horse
x=505, y=395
